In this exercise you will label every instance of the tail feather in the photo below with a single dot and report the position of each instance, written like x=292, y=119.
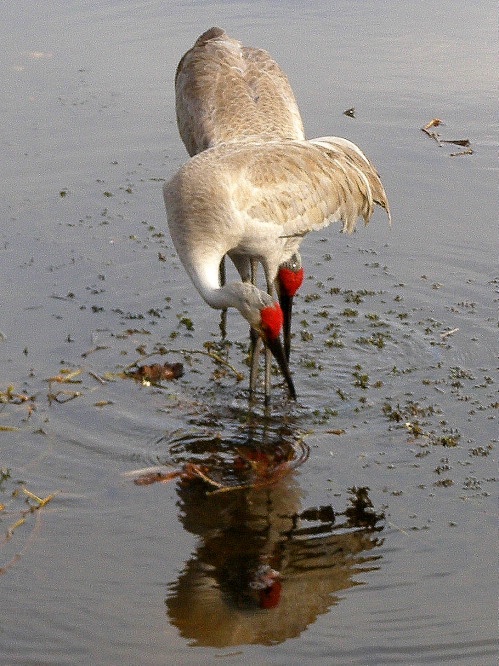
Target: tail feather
x=357, y=159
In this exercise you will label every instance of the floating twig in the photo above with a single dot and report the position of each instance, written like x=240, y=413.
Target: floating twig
x=446, y=334
x=66, y=377
x=16, y=398
x=67, y=396
x=468, y=151
x=39, y=501
x=93, y=350
x=458, y=142
x=435, y=122
x=101, y=380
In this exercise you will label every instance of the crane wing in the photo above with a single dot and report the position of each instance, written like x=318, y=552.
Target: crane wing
x=227, y=92
x=307, y=185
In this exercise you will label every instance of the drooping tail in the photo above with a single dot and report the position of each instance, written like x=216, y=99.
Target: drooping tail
x=359, y=161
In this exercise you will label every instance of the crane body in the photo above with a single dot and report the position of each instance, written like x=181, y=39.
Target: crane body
x=255, y=201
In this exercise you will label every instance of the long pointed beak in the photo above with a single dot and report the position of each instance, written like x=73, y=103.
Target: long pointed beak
x=286, y=303
x=277, y=350
x=289, y=280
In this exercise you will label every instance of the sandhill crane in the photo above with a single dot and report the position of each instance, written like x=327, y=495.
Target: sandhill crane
x=229, y=92
x=255, y=201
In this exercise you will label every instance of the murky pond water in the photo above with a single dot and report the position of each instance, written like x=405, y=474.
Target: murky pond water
x=378, y=544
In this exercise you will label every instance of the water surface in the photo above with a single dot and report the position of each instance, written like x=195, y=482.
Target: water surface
x=383, y=536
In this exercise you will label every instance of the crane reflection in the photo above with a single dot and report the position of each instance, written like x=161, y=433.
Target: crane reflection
x=264, y=568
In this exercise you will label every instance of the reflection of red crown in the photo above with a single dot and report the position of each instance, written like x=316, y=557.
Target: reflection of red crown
x=271, y=596
x=269, y=586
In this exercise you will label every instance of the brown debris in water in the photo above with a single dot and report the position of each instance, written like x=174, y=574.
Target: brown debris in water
x=156, y=372
x=256, y=469
x=464, y=143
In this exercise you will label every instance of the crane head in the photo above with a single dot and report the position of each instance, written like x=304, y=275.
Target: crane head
x=265, y=316
x=290, y=276
x=271, y=321
x=289, y=280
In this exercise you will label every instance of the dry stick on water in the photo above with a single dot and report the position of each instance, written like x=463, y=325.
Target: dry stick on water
x=16, y=398
x=435, y=122
x=466, y=143
x=65, y=377
x=446, y=334
x=101, y=380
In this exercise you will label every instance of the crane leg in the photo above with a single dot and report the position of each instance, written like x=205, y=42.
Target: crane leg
x=255, y=347
x=255, y=340
x=223, y=315
x=268, y=353
x=268, y=366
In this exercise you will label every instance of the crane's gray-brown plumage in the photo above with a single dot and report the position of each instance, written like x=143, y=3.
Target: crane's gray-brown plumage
x=229, y=92
x=277, y=190
x=258, y=200
x=254, y=187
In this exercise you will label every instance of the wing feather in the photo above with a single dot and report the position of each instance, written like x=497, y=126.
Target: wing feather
x=307, y=185
x=227, y=92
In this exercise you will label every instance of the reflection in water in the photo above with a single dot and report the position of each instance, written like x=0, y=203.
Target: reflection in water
x=264, y=569
x=229, y=455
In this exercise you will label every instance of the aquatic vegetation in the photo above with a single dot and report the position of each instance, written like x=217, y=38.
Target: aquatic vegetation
x=20, y=504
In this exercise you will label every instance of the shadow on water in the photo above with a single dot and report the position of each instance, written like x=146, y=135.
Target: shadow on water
x=265, y=567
